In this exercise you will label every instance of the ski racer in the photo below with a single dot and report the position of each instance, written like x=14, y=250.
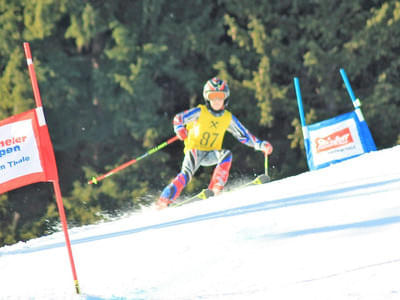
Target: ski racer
x=202, y=129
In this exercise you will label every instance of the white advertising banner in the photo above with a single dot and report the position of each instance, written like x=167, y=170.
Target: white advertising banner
x=26, y=152
x=335, y=142
x=19, y=154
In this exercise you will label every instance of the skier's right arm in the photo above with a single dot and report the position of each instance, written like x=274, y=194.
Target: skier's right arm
x=182, y=118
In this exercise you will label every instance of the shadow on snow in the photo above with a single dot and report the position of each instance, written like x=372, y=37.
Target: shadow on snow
x=257, y=207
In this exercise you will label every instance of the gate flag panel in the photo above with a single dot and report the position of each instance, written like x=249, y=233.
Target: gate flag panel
x=26, y=154
x=336, y=139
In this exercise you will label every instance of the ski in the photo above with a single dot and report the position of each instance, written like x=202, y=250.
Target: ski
x=261, y=179
x=204, y=194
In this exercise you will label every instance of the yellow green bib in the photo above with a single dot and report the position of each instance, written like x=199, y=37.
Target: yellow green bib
x=207, y=132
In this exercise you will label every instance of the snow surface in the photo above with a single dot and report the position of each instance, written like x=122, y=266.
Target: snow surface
x=327, y=234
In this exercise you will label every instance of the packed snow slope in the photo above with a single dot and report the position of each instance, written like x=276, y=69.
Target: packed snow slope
x=327, y=234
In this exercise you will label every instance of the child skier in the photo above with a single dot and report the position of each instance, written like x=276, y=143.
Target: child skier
x=202, y=129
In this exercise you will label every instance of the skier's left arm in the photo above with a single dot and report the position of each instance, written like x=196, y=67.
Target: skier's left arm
x=245, y=137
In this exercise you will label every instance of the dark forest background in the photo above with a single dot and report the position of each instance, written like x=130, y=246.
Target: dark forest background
x=113, y=74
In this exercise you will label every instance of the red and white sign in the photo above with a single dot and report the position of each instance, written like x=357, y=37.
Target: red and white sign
x=26, y=153
x=335, y=142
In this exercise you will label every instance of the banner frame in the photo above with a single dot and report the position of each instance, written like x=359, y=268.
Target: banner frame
x=366, y=138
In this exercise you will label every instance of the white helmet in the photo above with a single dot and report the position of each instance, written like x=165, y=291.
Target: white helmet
x=218, y=88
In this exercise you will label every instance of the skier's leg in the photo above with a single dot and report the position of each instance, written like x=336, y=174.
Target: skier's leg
x=221, y=171
x=172, y=190
x=190, y=164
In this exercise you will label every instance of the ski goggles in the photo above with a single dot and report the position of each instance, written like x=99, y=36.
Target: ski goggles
x=217, y=95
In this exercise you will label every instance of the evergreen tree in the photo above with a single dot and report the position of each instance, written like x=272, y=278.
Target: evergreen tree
x=112, y=74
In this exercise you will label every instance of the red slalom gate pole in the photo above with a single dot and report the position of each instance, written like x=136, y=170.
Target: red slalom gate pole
x=63, y=218
x=32, y=75
x=95, y=180
x=56, y=184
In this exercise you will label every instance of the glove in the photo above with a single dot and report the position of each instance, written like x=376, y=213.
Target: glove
x=266, y=147
x=181, y=133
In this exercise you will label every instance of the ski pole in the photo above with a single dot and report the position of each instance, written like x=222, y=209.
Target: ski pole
x=95, y=180
x=267, y=178
x=263, y=178
x=266, y=164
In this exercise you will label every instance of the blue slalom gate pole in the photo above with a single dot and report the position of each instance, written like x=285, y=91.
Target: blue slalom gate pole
x=299, y=101
x=368, y=142
x=356, y=101
x=304, y=128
